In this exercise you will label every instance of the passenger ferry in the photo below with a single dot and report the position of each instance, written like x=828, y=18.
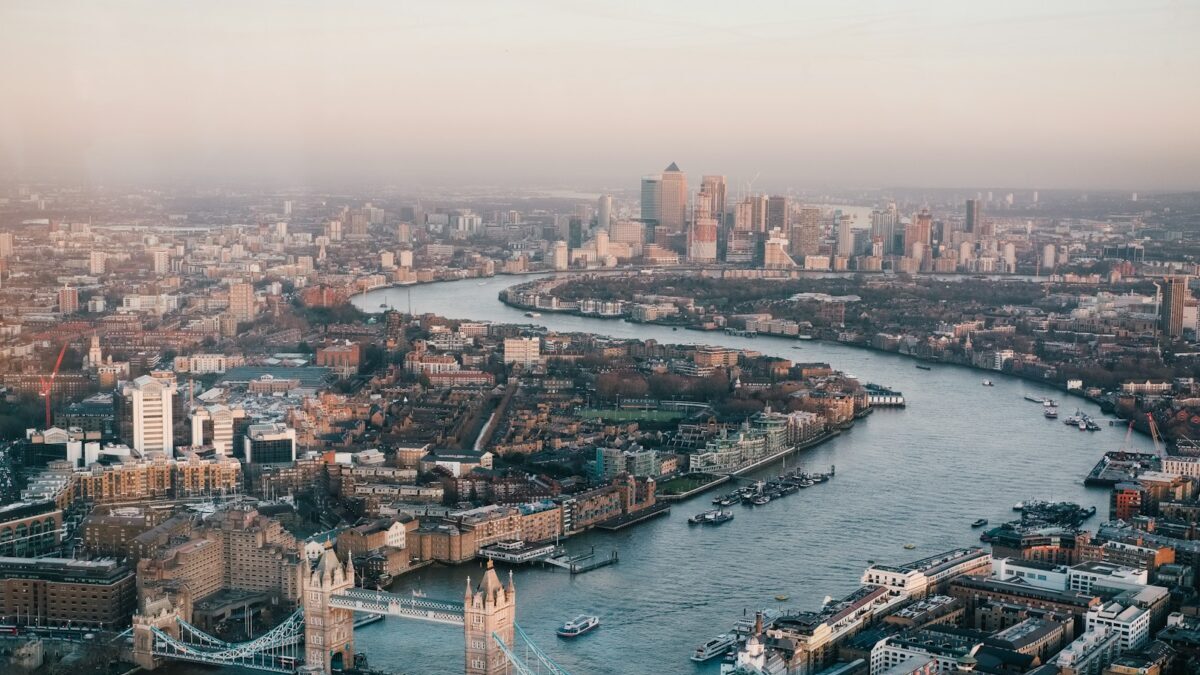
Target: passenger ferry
x=578, y=626
x=714, y=647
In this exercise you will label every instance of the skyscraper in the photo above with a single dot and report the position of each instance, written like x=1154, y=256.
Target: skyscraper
x=702, y=237
x=806, y=232
x=1174, y=294
x=713, y=187
x=779, y=213
x=845, y=236
x=972, y=223
x=604, y=212
x=145, y=412
x=651, y=199
x=672, y=209
x=918, y=232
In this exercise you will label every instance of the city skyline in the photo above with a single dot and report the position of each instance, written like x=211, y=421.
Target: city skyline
x=1081, y=95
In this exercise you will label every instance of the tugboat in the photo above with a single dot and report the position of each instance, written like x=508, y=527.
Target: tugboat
x=578, y=626
x=1050, y=413
x=979, y=523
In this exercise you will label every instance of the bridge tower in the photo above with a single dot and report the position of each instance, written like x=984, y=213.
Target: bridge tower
x=489, y=608
x=328, y=630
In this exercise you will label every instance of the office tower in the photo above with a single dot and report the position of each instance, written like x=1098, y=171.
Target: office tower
x=918, y=231
x=242, y=305
x=713, y=187
x=845, y=236
x=213, y=425
x=1035, y=196
x=779, y=213
x=162, y=262
x=333, y=230
x=973, y=210
x=806, y=232
x=1010, y=256
x=702, y=237
x=560, y=255
x=68, y=300
x=651, y=199
x=96, y=262
x=1048, y=257
x=145, y=414
x=6, y=244
x=273, y=443
x=750, y=215
x=883, y=227
x=575, y=232
x=672, y=208
x=602, y=245
x=1174, y=296
x=387, y=260
x=404, y=233
x=604, y=212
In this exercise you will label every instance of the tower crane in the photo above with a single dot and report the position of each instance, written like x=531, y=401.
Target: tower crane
x=48, y=383
x=1155, y=436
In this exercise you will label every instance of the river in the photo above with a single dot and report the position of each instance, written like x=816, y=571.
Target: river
x=920, y=475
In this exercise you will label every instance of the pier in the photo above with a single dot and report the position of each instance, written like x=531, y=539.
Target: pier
x=584, y=562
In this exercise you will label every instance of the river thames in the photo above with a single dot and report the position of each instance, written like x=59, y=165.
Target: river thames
x=919, y=475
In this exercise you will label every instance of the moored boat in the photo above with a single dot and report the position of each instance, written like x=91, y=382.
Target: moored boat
x=979, y=523
x=714, y=647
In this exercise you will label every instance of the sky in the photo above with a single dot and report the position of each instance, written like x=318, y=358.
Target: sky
x=924, y=93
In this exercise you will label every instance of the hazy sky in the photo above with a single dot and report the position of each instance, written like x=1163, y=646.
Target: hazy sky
x=595, y=93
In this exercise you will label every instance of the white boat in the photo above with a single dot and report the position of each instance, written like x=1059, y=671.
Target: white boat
x=988, y=383
x=533, y=315
x=578, y=626
x=714, y=647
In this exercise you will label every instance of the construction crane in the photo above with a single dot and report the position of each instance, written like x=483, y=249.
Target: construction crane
x=48, y=384
x=1154, y=435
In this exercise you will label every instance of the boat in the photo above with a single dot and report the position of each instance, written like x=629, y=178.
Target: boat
x=797, y=347
x=1049, y=403
x=761, y=500
x=533, y=315
x=910, y=547
x=701, y=517
x=979, y=523
x=719, y=518
x=1082, y=425
x=1035, y=399
x=804, y=336
x=1019, y=506
x=988, y=383
x=578, y=626
x=482, y=283
x=921, y=367
x=714, y=647
x=782, y=597
x=1050, y=413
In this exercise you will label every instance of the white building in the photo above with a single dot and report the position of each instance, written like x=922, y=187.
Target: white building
x=1090, y=653
x=1130, y=622
x=147, y=403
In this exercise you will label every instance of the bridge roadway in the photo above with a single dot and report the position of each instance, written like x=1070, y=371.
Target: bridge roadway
x=379, y=602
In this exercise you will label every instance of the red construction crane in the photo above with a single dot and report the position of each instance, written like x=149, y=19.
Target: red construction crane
x=1155, y=436
x=48, y=384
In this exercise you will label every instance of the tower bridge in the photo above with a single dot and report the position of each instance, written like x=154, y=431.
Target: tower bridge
x=319, y=635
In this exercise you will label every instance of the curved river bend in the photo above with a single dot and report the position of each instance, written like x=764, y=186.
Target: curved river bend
x=920, y=475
